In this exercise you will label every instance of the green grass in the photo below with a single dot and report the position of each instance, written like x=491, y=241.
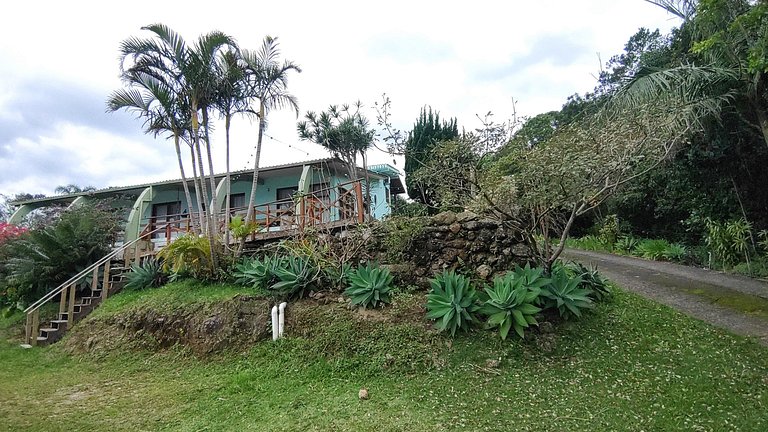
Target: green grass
x=171, y=296
x=632, y=365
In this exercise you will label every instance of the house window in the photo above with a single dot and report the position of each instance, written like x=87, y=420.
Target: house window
x=163, y=213
x=237, y=201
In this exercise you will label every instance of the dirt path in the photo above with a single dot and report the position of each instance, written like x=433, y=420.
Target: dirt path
x=673, y=285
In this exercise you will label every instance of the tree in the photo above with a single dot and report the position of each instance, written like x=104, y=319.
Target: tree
x=267, y=82
x=189, y=71
x=72, y=189
x=342, y=131
x=231, y=98
x=426, y=133
x=157, y=104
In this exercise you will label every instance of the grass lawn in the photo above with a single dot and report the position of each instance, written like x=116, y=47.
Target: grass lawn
x=632, y=365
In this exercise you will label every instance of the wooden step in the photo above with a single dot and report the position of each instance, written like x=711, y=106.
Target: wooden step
x=48, y=330
x=42, y=338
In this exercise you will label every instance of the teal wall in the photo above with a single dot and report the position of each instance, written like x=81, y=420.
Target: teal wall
x=266, y=191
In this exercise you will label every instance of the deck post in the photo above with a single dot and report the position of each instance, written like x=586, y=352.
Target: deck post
x=28, y=330
x=71, y=306
x=35, y=327
x=63, y=302
x=95, y=280
x=105, y=282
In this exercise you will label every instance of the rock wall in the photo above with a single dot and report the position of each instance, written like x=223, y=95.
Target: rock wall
x=465, y=241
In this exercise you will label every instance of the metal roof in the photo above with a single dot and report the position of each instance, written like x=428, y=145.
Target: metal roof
x=114, y=189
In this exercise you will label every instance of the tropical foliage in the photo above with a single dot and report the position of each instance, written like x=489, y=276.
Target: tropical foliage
x=452, y=302
x=148, y=274
x=369, y=286
x=510, y=304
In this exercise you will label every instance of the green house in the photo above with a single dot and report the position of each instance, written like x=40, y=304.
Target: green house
x=316, y=193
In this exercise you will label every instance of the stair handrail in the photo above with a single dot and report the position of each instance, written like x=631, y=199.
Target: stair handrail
x=56, y=291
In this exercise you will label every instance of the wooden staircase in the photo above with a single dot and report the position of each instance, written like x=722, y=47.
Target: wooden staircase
x=106, y=278
x=73, y=308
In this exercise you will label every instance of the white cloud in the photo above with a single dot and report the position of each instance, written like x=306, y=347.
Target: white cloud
x=59, y=63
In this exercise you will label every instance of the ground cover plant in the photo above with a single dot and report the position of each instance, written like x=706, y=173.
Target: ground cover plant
x=630, y=365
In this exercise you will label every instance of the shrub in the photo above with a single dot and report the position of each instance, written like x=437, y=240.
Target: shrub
x=510, y=304
x=240, y=229
x=147, y=275
x=675, y=252
x=591, y=279
x=295, y=276
x=256, y=272
x=609, y=231
x=591, y=243
x=401, y=234
x=46, y=256
x=729, y=242
x=566, y=294
x=188, y=254
x=453, y=302
x=652, y=249
x=626, y=245
x=369, y=286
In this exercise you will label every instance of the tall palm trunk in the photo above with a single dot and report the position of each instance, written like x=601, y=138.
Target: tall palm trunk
x=227, y=204
x=198, y=194
x=187, y=195
x=211, y=176
x=250, y=214
x=252, y=200
x=211, y=227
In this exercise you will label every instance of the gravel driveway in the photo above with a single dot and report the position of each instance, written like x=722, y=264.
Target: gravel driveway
x=668, y=284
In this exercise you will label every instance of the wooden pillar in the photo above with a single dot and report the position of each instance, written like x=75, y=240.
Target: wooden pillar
x=35, y=327
x=62, y=302
x=95, y=280
x=28, y=330
x=105, y=282
x=71, y=306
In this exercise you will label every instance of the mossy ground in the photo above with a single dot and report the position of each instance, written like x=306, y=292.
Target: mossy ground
x=631, y=365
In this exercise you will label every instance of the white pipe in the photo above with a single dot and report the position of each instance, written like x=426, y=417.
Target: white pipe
x=281, y=318
x=275, y=328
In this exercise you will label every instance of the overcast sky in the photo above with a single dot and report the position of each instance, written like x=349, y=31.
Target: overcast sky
x=58, y=64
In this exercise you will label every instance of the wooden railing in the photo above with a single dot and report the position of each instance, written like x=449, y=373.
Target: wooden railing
x=338, y=205
x=66, y=292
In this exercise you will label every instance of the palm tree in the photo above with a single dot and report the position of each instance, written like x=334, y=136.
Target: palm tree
x=267, y=83
x=726, y=70
x=230, y=100
x=189, y=71
x=342, y=132
x=152, y=100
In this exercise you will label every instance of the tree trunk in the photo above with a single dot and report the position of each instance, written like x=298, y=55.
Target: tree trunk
x=187, y=195
x=211, y=177
x=252, y=200
x=367, y=184
x=209, y=220
x=198, y=193
x=227, y=204
x=250, y=216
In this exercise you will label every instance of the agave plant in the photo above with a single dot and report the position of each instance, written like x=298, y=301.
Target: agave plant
x=626, y=245
x=148, y=274
x=565, y=294
x=257, y=272
x=295, y=276
x=369, y=286
x=510, y=304
x=591, y=279
x=453, y=302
